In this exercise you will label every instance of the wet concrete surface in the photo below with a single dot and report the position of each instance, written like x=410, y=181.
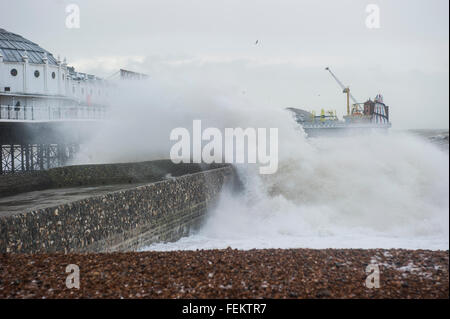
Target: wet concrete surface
x=36, y=200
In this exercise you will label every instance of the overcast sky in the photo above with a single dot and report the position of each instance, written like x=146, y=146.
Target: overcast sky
x=406, y=59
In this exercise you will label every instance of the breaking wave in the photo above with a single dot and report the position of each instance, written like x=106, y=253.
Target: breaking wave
x=368, y=191
x=378, y=191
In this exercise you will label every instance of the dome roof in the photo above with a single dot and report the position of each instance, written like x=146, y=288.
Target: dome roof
x=13, y=47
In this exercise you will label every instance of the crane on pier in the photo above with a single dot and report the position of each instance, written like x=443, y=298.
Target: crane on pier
x=345, y=89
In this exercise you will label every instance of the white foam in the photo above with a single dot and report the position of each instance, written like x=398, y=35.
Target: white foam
x=374, y=191
x=380, y=191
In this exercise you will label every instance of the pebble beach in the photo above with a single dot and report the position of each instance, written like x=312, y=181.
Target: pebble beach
x=229, y=273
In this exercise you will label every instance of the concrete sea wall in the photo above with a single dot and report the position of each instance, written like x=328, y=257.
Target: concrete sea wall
x=97, y=174
x=160, y=210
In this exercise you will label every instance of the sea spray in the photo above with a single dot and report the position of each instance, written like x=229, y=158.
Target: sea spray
x=370, y=191
x=378, y=190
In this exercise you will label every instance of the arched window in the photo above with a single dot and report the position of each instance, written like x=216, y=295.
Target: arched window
x=53, y=75
x=36, y=73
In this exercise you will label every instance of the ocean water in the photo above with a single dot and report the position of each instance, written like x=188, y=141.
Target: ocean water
x=373, y=191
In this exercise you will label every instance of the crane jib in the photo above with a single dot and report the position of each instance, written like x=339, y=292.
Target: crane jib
x=344, y=88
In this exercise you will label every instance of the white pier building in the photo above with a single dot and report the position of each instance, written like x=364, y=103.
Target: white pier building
x=34, y=85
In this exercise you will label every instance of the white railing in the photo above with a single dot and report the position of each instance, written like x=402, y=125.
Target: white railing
x=45, y=113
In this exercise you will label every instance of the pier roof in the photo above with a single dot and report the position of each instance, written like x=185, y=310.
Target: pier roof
x=14, y=47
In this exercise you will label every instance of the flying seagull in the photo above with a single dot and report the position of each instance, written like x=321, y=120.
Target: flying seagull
x=256, y=42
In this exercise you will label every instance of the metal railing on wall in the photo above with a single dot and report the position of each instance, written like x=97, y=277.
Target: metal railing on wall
x=43, y=113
